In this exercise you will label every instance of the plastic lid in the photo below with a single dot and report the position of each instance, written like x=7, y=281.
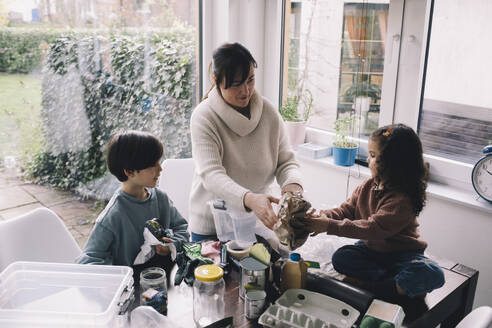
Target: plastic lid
x=295, y=257
x=208, y=273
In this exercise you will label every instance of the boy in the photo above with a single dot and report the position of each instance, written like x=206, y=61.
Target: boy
x=133, y=157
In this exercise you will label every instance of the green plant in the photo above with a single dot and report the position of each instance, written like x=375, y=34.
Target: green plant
x=297, y=108
x=149, y=87
x=362, y=89
x=343, y=127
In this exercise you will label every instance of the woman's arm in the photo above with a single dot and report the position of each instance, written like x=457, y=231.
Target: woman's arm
x=206, y=151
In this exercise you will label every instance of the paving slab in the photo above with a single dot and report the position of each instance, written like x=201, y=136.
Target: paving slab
x=16, y=211
x=74, y=209
x=9, y=178
x=15, y=197
x=51, y=197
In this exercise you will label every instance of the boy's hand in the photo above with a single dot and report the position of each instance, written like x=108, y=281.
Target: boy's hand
x=163, y=250
x=316, y=223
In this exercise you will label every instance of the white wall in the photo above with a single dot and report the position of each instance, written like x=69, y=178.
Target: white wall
x=453, y=231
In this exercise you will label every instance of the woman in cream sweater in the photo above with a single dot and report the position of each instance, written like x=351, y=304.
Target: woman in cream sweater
x=239, y=145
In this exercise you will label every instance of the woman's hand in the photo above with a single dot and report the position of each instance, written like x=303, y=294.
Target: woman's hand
x=261, y=205
x=163, y=250
x=316, y=223
x=292, y=187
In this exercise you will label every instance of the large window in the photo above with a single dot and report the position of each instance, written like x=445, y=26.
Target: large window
x=336, y=53
x=73, y=72
x=456, y=115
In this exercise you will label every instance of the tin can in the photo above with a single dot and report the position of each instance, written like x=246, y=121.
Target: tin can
x=253, y=275
x=254, y=302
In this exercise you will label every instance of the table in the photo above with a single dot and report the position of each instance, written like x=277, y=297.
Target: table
x=446, y=306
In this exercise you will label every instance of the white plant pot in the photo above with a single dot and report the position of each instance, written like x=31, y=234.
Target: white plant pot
x=296, y=132
x=362, y=106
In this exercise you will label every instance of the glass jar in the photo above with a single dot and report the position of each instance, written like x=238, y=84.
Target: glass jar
x=154, y=278
x=208, y=295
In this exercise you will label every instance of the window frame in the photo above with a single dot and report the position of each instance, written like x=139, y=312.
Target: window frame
x=404, y=67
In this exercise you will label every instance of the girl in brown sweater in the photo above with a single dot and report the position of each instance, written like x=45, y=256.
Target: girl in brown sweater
x=382, y=212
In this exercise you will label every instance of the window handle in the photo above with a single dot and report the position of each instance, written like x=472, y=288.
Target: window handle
x=395, y=39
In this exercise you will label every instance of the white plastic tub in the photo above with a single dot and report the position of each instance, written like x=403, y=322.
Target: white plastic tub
x=37, y=294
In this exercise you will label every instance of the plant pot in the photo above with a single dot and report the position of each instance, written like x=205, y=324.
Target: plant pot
x=296, y=132
x=344, y=156
x=362, y=106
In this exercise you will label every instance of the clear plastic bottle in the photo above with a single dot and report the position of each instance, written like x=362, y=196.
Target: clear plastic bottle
x=208, y=295
x=294, y=273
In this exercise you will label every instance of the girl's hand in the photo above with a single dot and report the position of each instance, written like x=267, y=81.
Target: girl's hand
x=316, y=223
x=292, y=187
x=261, y=205
x=163, y=250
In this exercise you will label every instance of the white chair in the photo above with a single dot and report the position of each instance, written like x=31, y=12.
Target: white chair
x=481, y=317
x=175, y=180
x=39, y=236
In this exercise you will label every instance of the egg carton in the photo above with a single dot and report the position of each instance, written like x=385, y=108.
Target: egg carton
x=300, y=308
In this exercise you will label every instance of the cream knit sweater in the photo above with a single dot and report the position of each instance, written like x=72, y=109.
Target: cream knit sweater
x=234, y=155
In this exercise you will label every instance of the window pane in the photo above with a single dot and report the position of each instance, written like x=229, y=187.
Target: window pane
x=336, y=51
x=456, y=115
x=72, y=73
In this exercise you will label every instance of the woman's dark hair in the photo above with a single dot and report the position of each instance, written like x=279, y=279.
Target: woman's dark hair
x=133, y=151
x=228, y=60
x=401, y=164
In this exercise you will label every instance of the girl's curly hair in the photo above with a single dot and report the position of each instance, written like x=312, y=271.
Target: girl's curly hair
x=401, y=164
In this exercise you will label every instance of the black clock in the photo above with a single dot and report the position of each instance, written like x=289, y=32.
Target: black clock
x=482, y=174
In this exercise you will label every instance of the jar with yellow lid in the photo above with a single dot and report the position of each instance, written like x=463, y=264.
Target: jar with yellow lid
x=208, y=295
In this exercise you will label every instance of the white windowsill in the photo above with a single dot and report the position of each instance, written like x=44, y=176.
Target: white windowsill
x=434, y=189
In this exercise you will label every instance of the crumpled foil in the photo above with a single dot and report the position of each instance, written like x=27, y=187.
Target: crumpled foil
x=290, y=228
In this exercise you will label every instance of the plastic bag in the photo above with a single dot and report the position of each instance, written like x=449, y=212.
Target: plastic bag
x=146, y=316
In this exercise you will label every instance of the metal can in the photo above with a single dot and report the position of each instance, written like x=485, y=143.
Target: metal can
x=253, y=275
x=254, y=302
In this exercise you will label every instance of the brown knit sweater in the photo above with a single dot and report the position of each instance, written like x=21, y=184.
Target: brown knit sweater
x=383, y=219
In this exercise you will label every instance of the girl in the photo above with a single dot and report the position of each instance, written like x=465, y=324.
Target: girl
x=389, y=259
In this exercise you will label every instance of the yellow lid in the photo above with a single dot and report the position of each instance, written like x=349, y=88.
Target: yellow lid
x=208, y=272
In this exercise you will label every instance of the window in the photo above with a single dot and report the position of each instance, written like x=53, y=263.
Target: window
x=97, y=67
x=456, y=115
x=336, y=52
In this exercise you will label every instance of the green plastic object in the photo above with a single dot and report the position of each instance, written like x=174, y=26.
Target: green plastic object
x=368, y=322
x=371, y=322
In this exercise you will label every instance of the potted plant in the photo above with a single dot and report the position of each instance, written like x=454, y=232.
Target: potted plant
x=344, y=150
x=362, y=94
x=295, y=113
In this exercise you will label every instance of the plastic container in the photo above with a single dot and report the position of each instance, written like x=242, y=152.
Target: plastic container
x=294, y=273
x=208, y=295
x=232, y=224
x=305, y=309
x=37, y=294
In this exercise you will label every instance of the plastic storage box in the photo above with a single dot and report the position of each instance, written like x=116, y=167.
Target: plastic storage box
x=38, y=294
x=233, y=225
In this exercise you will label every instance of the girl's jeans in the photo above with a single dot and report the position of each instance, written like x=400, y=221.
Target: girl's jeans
x=412, y=271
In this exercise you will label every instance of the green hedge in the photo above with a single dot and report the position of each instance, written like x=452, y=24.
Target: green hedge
x=21, y=50
x=102, y=83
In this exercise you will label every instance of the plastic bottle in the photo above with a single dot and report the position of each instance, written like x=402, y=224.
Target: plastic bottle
x=294, y=273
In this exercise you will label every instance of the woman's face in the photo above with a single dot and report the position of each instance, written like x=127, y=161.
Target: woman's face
x=238, y=94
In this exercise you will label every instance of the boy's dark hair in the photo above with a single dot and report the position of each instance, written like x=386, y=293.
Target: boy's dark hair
x=401, y=163
x=132, y=150
x=230, y=58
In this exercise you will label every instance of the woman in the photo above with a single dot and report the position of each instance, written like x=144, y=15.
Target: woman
x=239, y=145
